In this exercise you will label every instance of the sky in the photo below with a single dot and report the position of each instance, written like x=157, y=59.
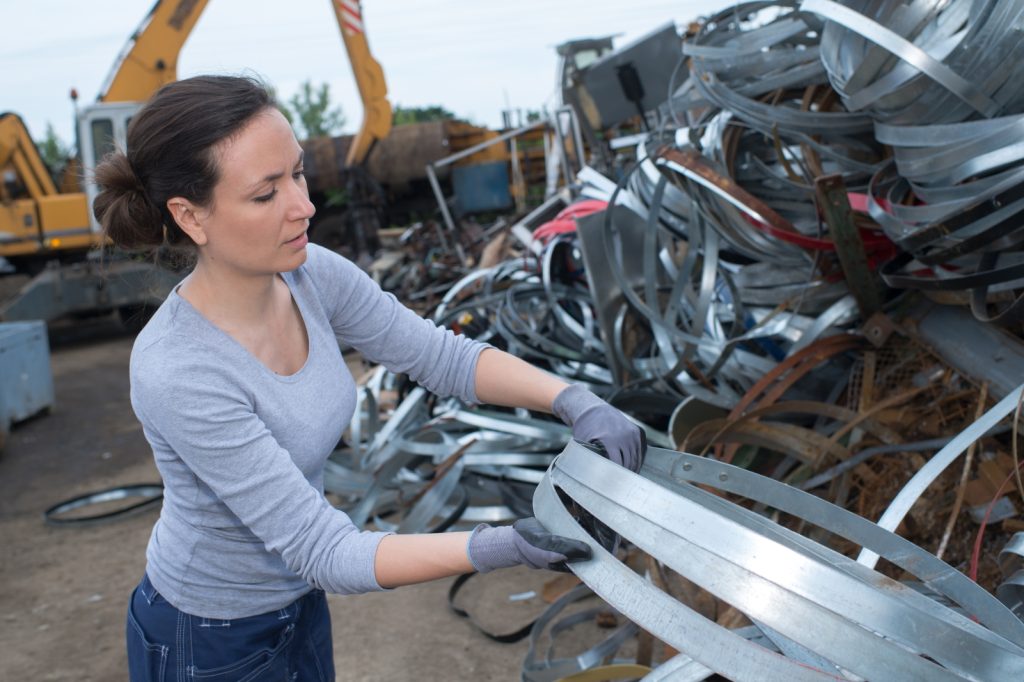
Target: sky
x=474, y=57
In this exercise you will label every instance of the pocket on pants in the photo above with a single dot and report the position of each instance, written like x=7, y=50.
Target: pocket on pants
x=268, y=663
x=147, y=661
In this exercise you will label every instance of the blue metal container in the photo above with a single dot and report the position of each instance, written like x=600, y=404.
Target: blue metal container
x=26, y=381
x=481, y=187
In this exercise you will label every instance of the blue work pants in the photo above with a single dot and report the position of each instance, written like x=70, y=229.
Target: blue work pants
x=292, y=644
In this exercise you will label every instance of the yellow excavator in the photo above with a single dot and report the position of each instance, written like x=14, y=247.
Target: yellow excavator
x=52, y=234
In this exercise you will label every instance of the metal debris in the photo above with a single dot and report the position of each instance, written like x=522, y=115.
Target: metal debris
x=736, y=286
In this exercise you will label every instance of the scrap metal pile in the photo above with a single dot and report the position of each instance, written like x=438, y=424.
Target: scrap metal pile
x=760, y=288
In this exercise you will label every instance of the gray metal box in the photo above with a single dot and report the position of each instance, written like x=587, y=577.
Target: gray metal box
x=26, y=381
x=655, y=57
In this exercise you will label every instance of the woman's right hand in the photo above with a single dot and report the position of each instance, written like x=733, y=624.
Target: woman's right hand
x=527, y=543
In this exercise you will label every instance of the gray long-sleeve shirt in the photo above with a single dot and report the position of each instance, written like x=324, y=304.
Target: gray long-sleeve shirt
x=245, y=528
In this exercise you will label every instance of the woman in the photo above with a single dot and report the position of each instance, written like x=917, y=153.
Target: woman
x=242, y=393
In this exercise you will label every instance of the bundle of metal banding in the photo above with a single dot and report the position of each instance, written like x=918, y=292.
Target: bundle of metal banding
x=940, y=82
x=827, y=616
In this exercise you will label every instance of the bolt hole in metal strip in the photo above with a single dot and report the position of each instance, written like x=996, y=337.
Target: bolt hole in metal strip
x=860, y=620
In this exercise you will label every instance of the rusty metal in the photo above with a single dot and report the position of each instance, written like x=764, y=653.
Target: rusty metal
x=835, y=206
x=697, y=167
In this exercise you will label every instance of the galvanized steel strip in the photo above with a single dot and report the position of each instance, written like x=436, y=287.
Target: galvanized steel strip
x=907, y=51
x=969, y=232
x=544, y=431
x=1011, y=558
x=770, y=137
x=987, y=657
x=381, y=447
x=1011, y=562
x=430, y=504
x=949, y=34
x=722, y=548
x=842, y=311
x=546, y=669
x=682, y=668
x=713, y=646
x=672, y=470
x=557, y=296
x=374, y=479
x=687, y=326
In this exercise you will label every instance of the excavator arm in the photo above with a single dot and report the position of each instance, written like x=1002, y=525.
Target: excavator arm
x=150, y=59
x=17, y=150
x=373, y=89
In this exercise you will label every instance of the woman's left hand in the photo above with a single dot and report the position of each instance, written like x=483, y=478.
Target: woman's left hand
x=595, y=421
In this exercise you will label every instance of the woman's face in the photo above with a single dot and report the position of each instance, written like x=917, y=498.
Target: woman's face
x=257, y=221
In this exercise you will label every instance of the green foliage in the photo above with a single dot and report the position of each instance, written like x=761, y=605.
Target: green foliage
x=436, y=112
x=313, y=108
x=335, y=197
x=54, y=151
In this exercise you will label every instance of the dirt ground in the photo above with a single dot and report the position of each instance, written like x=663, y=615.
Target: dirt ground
x=64, y=589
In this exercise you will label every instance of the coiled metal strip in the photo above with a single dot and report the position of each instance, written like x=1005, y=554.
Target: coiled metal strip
x=386, y=468
x=907, y=51
x=1011, y=561
x=923, y=62
x=715, y=647
x=793, y=584
x=548, y=669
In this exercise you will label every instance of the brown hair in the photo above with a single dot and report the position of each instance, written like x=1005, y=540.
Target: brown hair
x=170, y=153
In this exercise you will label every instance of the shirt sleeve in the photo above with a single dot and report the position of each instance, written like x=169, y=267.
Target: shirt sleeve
x=208, y=421
x=373, y=322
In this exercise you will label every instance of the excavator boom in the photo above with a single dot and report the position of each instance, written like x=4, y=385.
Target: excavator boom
x=150, y=59
x=373, y=89
x=19, y=151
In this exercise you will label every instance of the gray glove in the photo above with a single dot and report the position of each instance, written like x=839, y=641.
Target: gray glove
x=525, y=542
x=595, y=421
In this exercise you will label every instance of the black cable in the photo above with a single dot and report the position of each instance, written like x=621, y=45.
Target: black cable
x=150, y=493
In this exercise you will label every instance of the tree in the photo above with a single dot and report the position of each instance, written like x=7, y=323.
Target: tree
x=313, y=109
x=435, y=112
x=54, y=151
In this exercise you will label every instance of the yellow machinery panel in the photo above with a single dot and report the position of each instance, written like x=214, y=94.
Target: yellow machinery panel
x=65, y=219
x=19, y=228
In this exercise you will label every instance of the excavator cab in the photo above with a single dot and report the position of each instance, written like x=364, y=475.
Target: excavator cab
x=102, y=128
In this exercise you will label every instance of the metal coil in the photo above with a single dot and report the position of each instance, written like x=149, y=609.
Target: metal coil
x=828, y=614
x=922, y=62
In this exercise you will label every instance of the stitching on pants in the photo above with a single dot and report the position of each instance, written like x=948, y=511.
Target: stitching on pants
x=180, y=647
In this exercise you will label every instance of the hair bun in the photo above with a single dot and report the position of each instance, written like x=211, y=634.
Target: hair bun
x=128, y=216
